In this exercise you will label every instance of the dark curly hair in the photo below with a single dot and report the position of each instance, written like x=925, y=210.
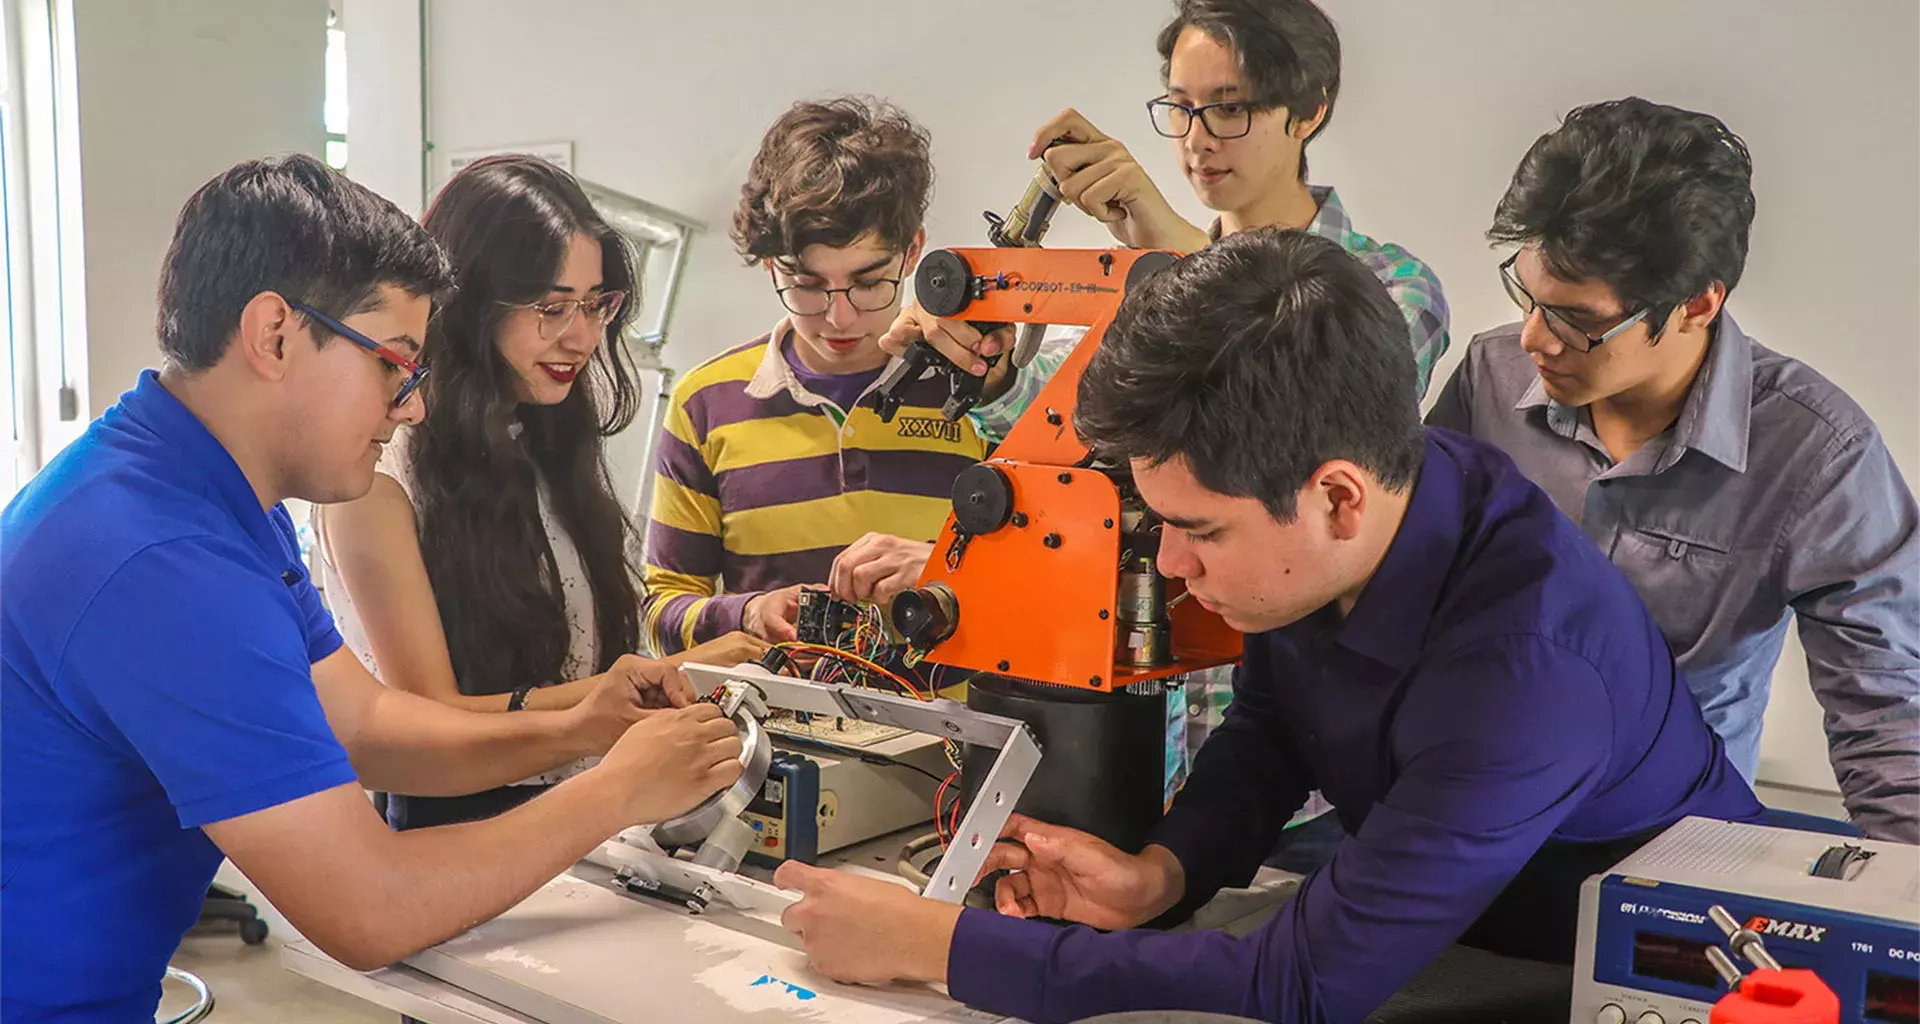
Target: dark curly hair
x=1654, y=201
x=831, y=171
x=1289, y=52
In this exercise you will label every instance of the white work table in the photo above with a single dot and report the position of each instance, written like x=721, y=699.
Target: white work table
x=600, y=956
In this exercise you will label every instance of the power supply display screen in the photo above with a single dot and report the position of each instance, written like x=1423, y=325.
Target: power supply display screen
x=1891, y=999
x=1666, y=958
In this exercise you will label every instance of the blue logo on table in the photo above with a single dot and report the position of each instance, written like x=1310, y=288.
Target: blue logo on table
x=793, y=990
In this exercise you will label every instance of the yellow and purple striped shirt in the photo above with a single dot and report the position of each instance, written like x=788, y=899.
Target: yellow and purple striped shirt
x=761, y=482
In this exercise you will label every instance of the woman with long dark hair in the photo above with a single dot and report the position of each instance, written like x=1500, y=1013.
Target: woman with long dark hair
x=492, y=567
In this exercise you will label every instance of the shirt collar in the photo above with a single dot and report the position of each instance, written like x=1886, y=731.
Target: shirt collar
x=1717, y=416
x=1388, y=623
x=1719, y=409
x=1330, y=221
x=1561, y=419
x=152, y=406
x=774, y=375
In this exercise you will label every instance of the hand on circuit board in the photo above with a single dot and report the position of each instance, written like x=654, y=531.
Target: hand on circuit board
x=769, y=616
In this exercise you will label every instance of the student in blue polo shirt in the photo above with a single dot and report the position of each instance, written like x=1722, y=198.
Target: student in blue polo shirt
x=1431, y=644
x=174, y=690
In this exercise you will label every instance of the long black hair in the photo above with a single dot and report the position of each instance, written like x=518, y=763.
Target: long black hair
x=506, y=223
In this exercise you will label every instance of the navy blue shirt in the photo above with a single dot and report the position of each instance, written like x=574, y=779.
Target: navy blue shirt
x=1497, y=685
x=158, y=633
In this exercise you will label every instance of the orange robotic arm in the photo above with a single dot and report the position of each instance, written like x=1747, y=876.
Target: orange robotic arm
x=1045, y=570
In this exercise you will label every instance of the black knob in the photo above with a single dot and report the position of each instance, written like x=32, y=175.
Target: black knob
x=943, y=283
x=982, y=499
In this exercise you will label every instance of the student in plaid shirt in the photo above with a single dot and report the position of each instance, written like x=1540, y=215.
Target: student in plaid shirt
x=1248, y=84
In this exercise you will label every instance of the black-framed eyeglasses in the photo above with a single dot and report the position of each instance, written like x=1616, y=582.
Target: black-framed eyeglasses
x=555, y=317
x=1229, y=120
x=866, y=297
x=415, y=372
x=1568, y=335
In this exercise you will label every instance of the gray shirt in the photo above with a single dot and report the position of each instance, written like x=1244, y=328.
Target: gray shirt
x=1772, y=492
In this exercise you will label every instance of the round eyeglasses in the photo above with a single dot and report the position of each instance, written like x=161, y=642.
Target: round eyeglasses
x=864, y=296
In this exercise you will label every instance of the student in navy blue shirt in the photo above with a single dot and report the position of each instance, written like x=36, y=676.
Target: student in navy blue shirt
x=1431, y=644
x=174, y=690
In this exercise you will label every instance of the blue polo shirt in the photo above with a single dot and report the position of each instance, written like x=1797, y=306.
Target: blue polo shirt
x=158, y=633
x=1497, y=685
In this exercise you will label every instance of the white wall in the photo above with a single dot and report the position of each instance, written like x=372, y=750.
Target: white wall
x=668, y=101
x=171, y=95
x=383, y=65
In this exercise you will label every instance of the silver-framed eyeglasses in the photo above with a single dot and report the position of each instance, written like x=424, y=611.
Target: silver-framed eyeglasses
x=556, y=317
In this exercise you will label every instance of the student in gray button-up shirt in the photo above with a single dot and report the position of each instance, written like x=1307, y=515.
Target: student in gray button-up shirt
x=1730, y=483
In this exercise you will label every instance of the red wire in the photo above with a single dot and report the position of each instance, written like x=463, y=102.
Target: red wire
x=939, y=812
x=843, y=658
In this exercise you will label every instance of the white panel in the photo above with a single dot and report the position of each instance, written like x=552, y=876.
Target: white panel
x=171, y=95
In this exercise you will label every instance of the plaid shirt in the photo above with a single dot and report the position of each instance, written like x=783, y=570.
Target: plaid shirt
x=993, y=420
x=1412, y=284
x=1416, y=290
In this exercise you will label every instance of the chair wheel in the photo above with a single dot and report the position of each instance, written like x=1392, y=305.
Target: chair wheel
x=253, y=932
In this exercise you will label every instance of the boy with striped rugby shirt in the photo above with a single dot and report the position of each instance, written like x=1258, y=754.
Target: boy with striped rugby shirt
x=771, y=472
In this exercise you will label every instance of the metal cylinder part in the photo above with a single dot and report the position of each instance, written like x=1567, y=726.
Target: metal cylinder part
x=1722, y=964
x=926, y=616
x=1145, y=645
x=1026, y=224
x=1742, y=940
x=1143, y=637
x=1143, y=594
x=726, y=846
